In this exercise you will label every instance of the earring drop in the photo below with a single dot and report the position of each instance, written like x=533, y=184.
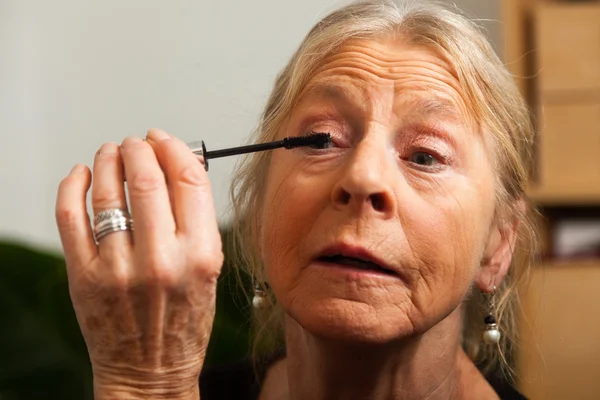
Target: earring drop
x=491, y=335
x=260, y=296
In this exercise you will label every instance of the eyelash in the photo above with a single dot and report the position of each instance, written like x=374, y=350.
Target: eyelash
x=441, y=160
x=332, y=144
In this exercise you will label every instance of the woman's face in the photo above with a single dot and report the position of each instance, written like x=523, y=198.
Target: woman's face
x=408, y=186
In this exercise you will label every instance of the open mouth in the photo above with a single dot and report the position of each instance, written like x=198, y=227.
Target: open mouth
x=352, y=262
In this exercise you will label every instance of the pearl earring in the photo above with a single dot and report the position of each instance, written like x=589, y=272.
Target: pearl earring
x=260, y=296
x=491, y=335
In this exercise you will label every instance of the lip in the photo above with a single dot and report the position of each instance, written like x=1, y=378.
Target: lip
x=355, y=251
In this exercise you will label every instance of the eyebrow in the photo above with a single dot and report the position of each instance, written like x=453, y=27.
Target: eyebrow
x=327, y=90
x=436, y=106
x=432, y=105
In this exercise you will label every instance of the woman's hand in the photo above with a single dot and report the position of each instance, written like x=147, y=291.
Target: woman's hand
x=145, y=301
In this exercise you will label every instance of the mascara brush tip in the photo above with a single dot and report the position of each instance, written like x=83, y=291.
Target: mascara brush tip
x=315, y=140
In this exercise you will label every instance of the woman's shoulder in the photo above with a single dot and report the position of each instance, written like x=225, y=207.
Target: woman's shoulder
x=229, y=381
x=504, y=389
x=239, y=380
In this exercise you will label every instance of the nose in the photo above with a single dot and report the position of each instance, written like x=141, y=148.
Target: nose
x=366, y=179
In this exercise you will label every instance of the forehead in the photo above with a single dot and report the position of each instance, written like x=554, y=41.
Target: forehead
x=390, y=68
x=390, y=54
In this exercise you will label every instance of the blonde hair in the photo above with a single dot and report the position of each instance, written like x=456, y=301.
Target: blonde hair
x=498, y=108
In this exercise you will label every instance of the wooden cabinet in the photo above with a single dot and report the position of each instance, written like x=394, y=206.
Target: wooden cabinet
x=552, y=47
x=566, y=95
x=569, y=153
x=559, y=344
x=567, y=38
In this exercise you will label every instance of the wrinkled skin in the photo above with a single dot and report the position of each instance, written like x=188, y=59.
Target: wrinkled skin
x=386, y=108
x=145, y=302
x=410, y=179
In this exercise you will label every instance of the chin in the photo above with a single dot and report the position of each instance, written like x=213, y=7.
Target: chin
x=352, y=322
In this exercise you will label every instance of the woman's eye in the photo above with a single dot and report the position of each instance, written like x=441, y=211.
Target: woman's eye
x=330, y=144
x=423, y=158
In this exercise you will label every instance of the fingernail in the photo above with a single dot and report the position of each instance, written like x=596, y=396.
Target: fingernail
x=77, y=169
x=157, y=135
x=131, y=141
x=108, y=148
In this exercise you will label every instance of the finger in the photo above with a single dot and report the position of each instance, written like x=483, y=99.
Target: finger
x=72, y=218
x=148, y=195
x=108, y=191
x=193, y=204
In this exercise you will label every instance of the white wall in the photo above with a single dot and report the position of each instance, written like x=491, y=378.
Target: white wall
x=74, y=74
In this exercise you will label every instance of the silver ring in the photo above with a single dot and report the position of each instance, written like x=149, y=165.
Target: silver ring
x=109, y=213
x=111, y=220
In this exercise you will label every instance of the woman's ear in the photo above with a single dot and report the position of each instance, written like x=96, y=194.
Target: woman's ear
x=498, y=254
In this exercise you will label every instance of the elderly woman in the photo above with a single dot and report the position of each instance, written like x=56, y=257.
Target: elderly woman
x=371, y=255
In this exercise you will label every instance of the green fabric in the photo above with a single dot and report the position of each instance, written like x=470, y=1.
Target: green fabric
x=42, y=351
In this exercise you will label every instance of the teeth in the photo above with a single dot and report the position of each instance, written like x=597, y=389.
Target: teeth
x=358, y=263
x=353, y=262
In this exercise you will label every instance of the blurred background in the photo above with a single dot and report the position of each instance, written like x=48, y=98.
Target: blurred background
x=76, y=74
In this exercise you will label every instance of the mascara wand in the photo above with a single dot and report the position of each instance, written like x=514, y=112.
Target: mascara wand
x=315, y=140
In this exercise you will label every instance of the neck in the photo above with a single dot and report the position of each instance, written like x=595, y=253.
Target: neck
x=426, y=366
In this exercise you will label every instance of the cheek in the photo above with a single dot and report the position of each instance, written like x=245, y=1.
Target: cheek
x=292, y=204
x=445, y=232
